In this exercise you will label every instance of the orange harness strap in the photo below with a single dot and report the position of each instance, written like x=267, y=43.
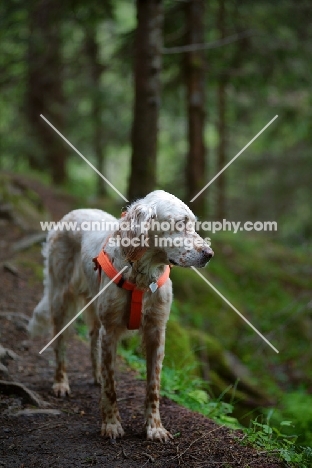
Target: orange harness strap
x=102, y=262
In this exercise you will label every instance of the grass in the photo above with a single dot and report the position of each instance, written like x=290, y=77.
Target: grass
x=276, y=441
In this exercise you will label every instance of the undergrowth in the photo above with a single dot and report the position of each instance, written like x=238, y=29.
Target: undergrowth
x=275, y=441
x=181, y=386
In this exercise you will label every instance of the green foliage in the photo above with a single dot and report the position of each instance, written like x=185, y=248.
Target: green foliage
x=296, y=406
x=264, y=436
x=193, y=393
x=81, y=328
x=135, y=361
x=268, y=283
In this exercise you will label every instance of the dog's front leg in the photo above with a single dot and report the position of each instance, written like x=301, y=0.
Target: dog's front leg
x=111, y=425
x=154, y=338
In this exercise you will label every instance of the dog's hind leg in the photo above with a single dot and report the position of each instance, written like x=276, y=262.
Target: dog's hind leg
x=40, y=321
x=62, y=309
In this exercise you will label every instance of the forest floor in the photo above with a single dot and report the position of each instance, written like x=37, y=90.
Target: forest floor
x=66, y=433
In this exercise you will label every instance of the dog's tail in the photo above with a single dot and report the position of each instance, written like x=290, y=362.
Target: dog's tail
x=40, y=322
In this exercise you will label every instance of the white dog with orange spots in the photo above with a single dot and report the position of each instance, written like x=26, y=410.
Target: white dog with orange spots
x=154, y=232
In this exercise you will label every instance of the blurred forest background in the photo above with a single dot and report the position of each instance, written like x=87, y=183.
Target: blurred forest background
x=162, y=94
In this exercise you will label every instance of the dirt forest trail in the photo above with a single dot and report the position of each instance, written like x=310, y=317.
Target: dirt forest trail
x=66, y=433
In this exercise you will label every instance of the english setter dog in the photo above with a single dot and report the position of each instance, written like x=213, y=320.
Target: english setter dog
x=153, y=232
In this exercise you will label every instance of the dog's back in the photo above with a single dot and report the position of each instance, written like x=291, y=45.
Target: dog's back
x=63, y=269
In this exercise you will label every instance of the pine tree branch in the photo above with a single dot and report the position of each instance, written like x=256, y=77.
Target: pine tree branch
x=208, y=45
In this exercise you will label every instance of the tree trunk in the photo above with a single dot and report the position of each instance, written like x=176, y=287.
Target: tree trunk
x=148, y=46
x=92, y=49
x=221, y=153
x=44, y=91
x=195, y=86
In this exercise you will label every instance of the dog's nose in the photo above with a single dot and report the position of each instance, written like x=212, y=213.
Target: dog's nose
x=207, y=252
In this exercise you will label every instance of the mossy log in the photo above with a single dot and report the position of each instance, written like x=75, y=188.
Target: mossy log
x=20, y=204
x=222, y=370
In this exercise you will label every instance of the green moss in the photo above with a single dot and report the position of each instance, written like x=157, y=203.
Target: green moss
x=179, y=353
x=199, y=307
x=205, y=346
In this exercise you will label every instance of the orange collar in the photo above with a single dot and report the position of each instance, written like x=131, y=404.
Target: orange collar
x=102, y=262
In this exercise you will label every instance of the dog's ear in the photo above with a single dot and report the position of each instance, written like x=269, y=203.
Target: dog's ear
x=134, y=228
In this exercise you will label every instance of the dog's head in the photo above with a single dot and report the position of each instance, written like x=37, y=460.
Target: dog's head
x=163, y=227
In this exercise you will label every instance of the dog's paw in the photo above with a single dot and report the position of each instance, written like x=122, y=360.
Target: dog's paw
x=159, y=434
x=61, y=389
x=112, y=430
